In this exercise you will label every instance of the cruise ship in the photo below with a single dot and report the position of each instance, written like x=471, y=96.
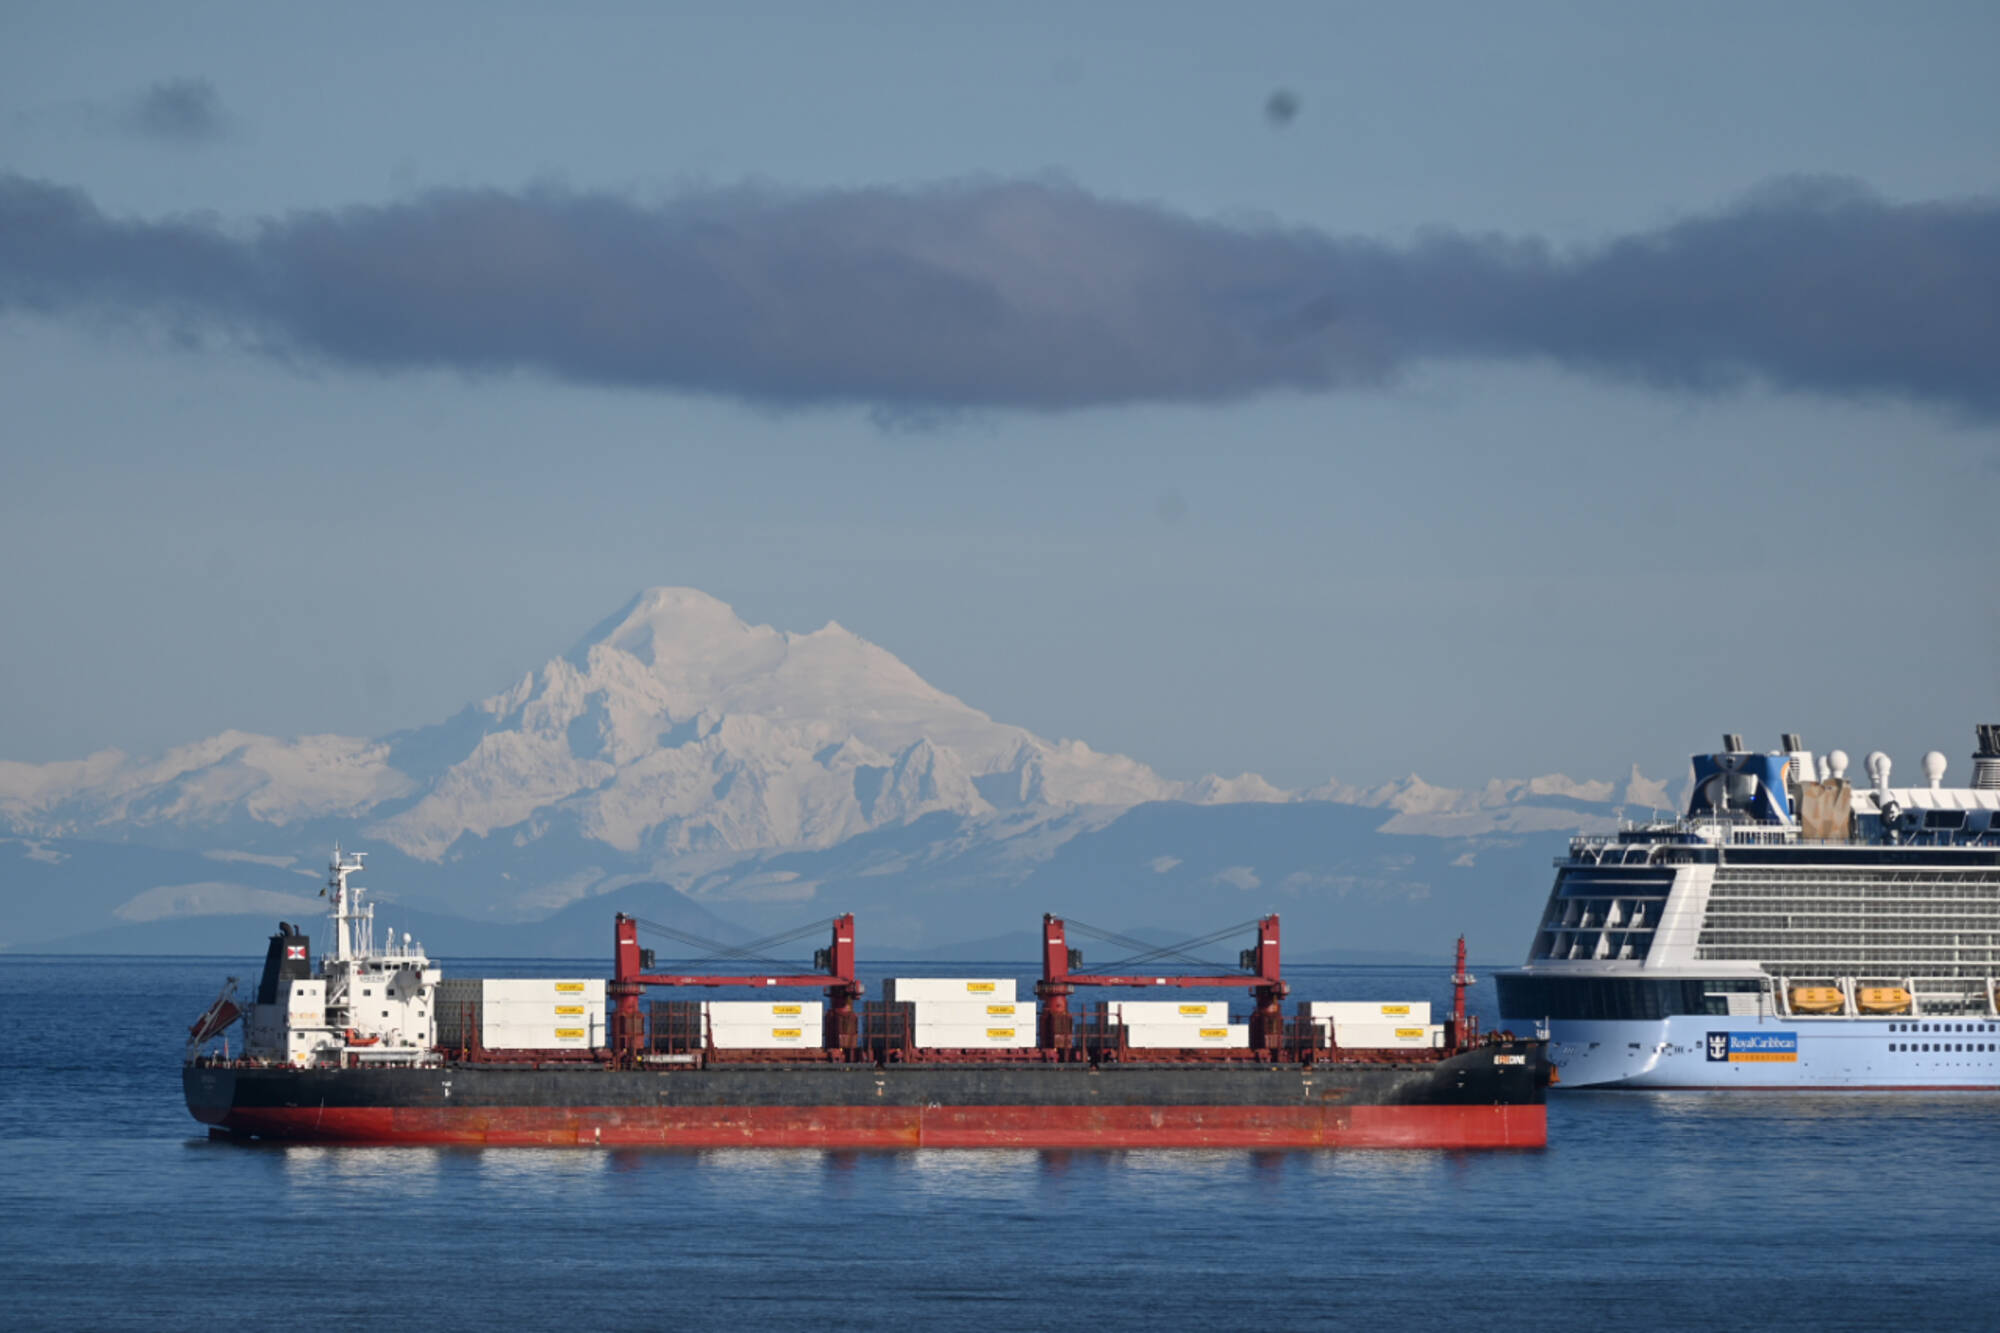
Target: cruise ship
x=1793, y=929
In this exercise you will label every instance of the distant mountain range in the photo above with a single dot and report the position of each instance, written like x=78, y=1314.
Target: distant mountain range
x=735, y=778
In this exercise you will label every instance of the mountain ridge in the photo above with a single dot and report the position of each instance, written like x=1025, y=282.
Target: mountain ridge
x=675, y=743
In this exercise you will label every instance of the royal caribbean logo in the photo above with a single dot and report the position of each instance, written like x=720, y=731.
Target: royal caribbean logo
x=1754, y=1047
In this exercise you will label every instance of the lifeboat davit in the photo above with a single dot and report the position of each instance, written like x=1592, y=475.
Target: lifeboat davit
x=356, y=1039
x=1883, y=1000
x=1818, y=1000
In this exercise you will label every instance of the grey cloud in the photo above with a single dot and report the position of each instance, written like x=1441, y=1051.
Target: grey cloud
x=181, y=110
x=1038, y=295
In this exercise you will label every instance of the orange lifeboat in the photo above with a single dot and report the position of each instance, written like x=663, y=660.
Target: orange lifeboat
x=1817, y=1000
x=356, y=1039
x=1883, y=1000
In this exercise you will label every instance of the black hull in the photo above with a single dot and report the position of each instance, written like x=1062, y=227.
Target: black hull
x=1493, y=1096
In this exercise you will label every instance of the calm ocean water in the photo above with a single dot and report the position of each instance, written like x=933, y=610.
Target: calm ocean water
x=1697, y=1209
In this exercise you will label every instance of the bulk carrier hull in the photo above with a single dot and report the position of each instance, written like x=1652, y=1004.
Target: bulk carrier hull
x=1489, y=1097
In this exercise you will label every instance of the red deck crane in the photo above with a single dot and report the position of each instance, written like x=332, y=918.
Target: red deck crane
x=631, y=974
x=1261, y=973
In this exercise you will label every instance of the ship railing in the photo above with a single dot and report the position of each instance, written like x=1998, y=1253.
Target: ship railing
x=1709, y=831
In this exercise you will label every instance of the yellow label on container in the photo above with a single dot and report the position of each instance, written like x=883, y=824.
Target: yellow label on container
x=787, y=1034
x=979, y=987
x=1000, y=1034
x=569, y=1034
x=1000, y=1010
x=1214, y=1034
x=1395, y=1008
x=576, y=986
x=1408, y=1033
x=786, y=1009
x=1194, y=1011
x=570, y=1010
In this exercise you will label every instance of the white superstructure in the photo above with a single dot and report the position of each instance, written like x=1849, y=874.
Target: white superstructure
x=363, y=1004
x=1790, y=930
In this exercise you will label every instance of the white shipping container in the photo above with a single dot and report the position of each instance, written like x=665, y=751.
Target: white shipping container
x=982, y=1035
x=1179, y=1036
x=542, y=1039
x=971, y=1013
x=764, y=1036
x=782, y=1013
x=546, y=1024
x=1387, y=1036
x=920, y=989
x=536, y=988
x=534, y=1009
x=1205, y=1012
x=1405, y=1013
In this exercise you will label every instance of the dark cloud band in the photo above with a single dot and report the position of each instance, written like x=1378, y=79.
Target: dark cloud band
x=1038, y=295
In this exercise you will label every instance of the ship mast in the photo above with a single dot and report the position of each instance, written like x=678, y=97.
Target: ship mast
x=349, y=943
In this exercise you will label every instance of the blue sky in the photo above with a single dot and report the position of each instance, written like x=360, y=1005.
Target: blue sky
x=1550, y=539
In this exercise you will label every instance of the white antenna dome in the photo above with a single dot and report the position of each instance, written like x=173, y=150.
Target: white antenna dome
x=1878, y=769
x=1934, y=766
x=1836, y=763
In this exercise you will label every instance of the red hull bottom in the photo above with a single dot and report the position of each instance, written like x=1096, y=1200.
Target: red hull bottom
x=915, y=1127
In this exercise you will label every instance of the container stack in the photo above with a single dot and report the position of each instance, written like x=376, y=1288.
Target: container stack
x=965, y=1012
x=456, y=1005
x=1178, y=1024
x=741, y=1025
x=541, y=1013
x=676, y=1026
x=1371, y=1026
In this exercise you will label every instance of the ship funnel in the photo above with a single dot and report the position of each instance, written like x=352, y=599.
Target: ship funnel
x=1986, y=759
x=1794, y=747
x=1732, y=743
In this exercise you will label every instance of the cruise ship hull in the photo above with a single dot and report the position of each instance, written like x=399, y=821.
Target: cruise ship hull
x=1492, y=1097
x=1714, y=1051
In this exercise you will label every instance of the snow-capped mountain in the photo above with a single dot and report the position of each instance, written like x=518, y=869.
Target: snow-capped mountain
x=672, y=728
x=676, y=728
x=676, y=744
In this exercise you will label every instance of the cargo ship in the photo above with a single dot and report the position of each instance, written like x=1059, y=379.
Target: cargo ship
x=1791, y=929
x=374, y=1045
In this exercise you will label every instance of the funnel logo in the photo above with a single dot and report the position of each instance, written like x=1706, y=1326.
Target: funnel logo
x=1754, y=1047
x=295, y=951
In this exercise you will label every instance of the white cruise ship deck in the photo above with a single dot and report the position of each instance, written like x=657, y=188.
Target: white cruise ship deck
x=1791, y=930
